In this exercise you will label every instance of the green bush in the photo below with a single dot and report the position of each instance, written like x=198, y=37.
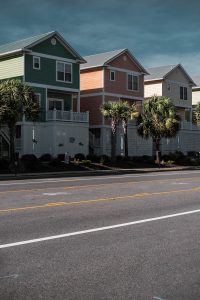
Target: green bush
x=93, y=157
x=104, y=159
x=55, y=162
x=79, y=156
x=45, y=157
x=61, y=156
x=123, y=158
x=30, y=162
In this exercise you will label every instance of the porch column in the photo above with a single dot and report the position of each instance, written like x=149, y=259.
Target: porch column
x=190, y=118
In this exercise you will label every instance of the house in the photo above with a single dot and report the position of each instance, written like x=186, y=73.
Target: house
x=112, y=76
x=49, y=65
x=174, y=82
x=196, y=91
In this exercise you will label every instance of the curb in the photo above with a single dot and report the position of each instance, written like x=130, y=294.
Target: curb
x=22, y=176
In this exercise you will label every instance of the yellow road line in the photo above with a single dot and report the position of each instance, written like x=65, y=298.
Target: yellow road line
x=97, y=185
x=54, y=204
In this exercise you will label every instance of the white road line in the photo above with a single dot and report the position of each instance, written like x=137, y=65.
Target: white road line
x=75, y=179
x=54, y=237
x=56, y=194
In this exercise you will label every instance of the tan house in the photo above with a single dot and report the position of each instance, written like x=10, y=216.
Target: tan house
x=174, y=82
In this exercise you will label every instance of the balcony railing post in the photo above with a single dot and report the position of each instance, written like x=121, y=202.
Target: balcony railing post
x=54, y=114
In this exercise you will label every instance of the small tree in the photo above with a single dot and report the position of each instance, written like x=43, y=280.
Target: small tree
x=118, y=112
x=158, y=120
x=16, y=99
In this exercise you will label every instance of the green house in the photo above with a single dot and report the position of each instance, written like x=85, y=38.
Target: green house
x=51, y=67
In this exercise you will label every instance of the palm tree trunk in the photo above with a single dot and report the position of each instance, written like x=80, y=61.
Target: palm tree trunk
x=113, y=146
x=126, y=139
x=12, y=143
x=158, y=153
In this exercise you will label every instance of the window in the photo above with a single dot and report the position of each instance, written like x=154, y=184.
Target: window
x=183, y=93
x=55, y=104
x=133, y=83
x=169, y=87
x=36, y=62
x=64, y=72
x=112, y=75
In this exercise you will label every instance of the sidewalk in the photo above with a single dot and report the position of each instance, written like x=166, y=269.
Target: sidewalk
x=91, y=173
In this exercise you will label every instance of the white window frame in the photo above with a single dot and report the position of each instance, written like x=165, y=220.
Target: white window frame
x=112, y=72
x=58, y=100
x=65, y=63
x=133, y=75
x=39, y=96
x=184, y=87
x=36, y=57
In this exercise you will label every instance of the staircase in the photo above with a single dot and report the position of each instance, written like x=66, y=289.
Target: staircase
x=94, y=144
x=4, y=142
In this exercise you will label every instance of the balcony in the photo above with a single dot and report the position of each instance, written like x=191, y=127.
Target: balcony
x=67, y=116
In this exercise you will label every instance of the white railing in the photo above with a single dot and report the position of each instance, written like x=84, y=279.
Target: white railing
x=70, y=116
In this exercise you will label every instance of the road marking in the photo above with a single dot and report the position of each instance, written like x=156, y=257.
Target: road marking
x=158, y=298
x=52, y=204
x=9, y=276
x=74, y=179
x=55, y=194
x=54, y=237
x=180, y=183
x=95, y=185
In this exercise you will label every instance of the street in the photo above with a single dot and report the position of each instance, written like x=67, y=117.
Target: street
x=133, y=236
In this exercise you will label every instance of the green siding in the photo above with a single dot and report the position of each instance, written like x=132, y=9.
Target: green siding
x=58, y=50
x=42, y=92
x=47, y=73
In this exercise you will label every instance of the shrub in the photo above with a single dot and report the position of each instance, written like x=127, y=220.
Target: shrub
x=93, y=157
x=86, y=161
x=30, y=162
x=104, y=159
x=61, y=156
x=55, y=162
x=4, y=164
x=123, y=158
x=79, y=156
x=45, y=157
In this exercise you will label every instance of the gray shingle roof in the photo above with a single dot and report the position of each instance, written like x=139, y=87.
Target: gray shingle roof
x=20, y=45
x=158, y=72
x=101, y=59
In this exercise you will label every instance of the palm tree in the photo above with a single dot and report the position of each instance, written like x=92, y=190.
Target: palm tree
x=128, y=112
x=118, y=112
x=158, y=120
x=16, y=100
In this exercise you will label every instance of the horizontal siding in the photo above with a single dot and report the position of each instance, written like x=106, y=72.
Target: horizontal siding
x=91, y=80
x=152, y=89
x=12, y=67
x=195, y=97
x=174, y=93
x=120, y=85
x=92, y=104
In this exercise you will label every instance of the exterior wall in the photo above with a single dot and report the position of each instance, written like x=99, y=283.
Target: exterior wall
x=47, y=73
x=11, y=67
x=152, y=88
x=195, y=96
x=59, y=50
x=120, y=85
x=54, y=138
x=176, y=79
x=91, y=81
x=93, y=104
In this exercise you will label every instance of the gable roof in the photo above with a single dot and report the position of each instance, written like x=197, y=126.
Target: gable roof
x=25, y=45
x=160, y=73
x=102, y=59
x=197, y=81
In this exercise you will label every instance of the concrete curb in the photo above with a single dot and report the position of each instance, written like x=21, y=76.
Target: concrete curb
x=90, y=173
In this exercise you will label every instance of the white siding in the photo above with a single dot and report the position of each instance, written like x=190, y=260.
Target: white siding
x=12, y=67
x=152, y=89
x=195, y=97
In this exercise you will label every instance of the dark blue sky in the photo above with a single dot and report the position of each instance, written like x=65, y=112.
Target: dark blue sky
x=157, y=32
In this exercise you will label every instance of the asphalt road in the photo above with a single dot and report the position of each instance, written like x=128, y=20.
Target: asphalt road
x=110, y=237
